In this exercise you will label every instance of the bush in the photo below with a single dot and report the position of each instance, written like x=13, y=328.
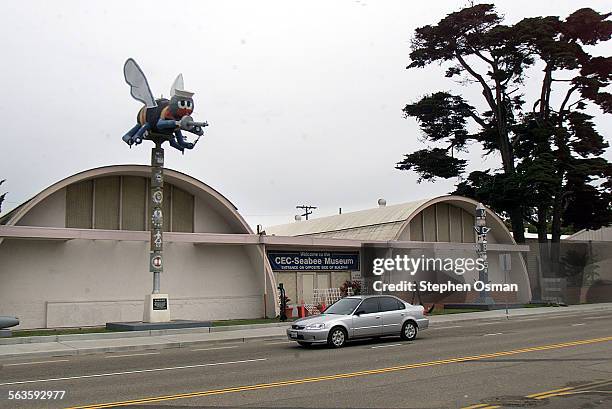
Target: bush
x=355, y=285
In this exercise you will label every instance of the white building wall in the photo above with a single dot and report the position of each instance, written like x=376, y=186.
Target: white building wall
x=49, y=213
x=87, y=282
x=209, y=220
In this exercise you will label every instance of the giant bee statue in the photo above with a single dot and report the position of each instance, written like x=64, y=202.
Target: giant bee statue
x=161, y=118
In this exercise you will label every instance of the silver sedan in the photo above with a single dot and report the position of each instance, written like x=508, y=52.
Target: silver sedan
x=367, y=316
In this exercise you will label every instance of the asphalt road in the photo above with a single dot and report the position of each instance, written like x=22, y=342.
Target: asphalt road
x=560, y=361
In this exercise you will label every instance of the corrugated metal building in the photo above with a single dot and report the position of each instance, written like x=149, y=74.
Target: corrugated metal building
x=438, y=227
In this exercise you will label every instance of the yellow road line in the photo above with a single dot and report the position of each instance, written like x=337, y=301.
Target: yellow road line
x=550, y=394
x=568, y=391
x=342, y=375
x=536, y=395
x=585, y=391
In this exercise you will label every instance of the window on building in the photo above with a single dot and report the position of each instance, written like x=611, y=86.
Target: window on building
x=121, y=203
x=134, y=199
x=469, y=236
x=182, y=211
x=79, y=205
x=442, y=222
x=106, y=203
x=416, y=227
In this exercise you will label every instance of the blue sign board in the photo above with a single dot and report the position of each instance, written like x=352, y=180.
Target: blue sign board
x=313, y=261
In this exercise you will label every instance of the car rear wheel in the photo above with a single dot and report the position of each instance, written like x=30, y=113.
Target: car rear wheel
x=336, y=337
x=409, y=331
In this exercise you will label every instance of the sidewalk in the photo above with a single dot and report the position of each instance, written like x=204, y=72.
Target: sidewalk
x=82, y=344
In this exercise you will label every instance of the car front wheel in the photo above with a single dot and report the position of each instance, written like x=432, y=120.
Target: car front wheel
x=409, y=331
x=336, y=337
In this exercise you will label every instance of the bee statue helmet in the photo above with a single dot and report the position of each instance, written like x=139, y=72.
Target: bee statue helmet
x=181, y=101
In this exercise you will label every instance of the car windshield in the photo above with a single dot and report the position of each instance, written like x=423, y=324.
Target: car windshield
x=344, y=306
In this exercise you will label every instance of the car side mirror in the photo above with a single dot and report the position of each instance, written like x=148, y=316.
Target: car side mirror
x=359, y=312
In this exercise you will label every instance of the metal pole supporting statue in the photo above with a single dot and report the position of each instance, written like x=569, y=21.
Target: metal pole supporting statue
x=480, y=226
x=160, y=120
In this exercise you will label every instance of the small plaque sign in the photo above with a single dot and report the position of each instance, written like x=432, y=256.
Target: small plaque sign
x=160, y=304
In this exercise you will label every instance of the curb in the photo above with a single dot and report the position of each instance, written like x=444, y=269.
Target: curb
x=65, y=349
x=550, y=312
x=132, y=334
x=132, y=348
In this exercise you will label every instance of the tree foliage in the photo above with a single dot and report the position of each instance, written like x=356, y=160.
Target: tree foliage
x=552, y=173
x=432, y=163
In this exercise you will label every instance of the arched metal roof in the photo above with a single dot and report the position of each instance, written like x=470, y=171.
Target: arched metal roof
x=177, y=178
x=381, y=223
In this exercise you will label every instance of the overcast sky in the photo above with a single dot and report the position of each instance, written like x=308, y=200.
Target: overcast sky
x=303, y=98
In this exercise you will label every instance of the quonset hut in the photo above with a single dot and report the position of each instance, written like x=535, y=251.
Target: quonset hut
x=76, y=254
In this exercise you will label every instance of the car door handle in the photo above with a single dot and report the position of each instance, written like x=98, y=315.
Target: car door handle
x=378, y=316
x=403, y=314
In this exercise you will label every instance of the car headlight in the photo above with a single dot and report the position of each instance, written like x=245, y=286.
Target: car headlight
x=315, y=326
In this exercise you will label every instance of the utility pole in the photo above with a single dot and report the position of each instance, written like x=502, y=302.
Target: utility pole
x=307, y=210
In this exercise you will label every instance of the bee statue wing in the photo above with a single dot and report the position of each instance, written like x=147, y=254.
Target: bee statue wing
x=139, y=87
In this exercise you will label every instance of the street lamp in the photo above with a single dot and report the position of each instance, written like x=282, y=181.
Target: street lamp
x=480, y=226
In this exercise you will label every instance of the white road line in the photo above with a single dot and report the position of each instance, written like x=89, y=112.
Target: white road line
x=387, y=346
x=67, y=378
x=577, y=325
x=38, y=362
x=214, y=348
x=452, y=326
x=494, y=333
x=125, y=355
x=597, y=318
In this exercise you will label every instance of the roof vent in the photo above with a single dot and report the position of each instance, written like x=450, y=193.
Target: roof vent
x=297, y=217
x=382, y=202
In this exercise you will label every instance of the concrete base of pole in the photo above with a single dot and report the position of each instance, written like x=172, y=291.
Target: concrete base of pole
x=152, y=326
x=156, y=308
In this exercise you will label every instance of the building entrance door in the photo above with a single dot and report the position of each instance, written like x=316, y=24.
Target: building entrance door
x=308, y=281
x=308, y=285
x=323, y=280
